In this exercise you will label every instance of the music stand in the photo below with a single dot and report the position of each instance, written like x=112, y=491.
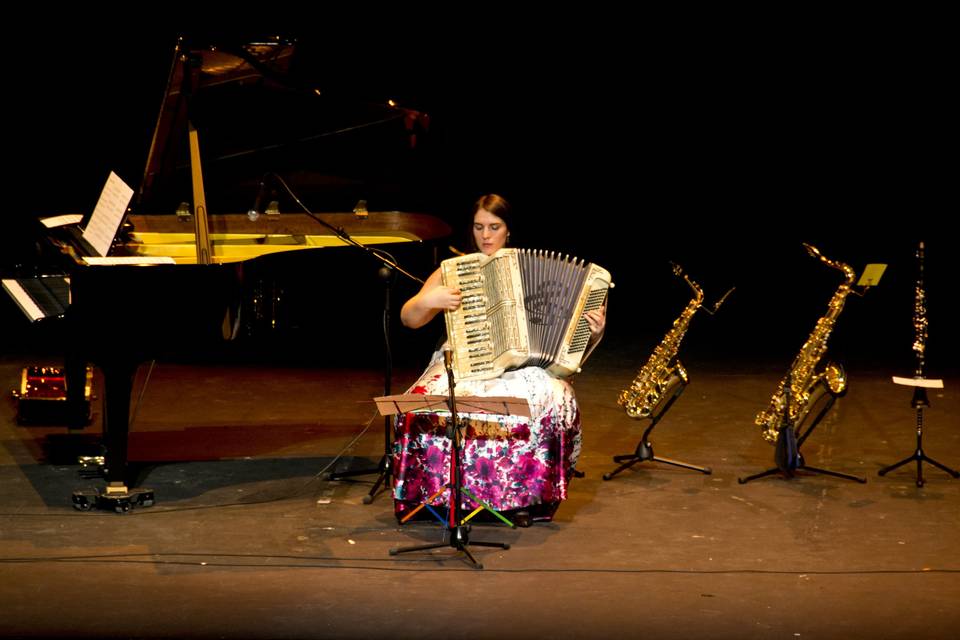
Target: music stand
x=457, y=531
x=919, y=402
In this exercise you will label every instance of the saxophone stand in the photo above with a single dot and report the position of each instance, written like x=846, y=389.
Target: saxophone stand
x=787, y=455
x=644, y=449
x=457, y=533
x=919, y=402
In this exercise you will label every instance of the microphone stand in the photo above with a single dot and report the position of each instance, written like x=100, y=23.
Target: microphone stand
x=387, y=274
x=457, y=530
x=383, y=468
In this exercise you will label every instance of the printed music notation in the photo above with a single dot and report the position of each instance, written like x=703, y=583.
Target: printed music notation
x=108, y=214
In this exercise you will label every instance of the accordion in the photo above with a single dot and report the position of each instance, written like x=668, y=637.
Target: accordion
x=521, y=308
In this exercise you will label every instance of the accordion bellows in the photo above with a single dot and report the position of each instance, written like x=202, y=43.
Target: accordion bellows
x=521, y=308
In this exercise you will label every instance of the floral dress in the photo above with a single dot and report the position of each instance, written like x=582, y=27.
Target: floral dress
x=508, y=462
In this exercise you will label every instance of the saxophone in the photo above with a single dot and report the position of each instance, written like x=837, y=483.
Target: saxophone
x=803, y=374
x=663, y=371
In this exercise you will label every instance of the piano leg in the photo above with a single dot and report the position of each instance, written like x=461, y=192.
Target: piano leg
x=117, y=386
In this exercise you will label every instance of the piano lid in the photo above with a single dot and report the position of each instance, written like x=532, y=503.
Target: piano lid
x=191, y=70
x=260, y=107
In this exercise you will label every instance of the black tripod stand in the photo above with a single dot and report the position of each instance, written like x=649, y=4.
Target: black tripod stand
x=787, y=454
x=919, y=402
x=382, y=469
x=919, y=383
x=389, y=266
x=644, y=449
x=457, y=530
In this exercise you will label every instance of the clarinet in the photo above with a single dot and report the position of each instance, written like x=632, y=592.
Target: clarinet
x=920, y=325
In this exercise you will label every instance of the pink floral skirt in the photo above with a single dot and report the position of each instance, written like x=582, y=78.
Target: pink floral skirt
x=508, y=462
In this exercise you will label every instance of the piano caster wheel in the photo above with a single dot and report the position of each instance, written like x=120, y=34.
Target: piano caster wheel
x=85, y=500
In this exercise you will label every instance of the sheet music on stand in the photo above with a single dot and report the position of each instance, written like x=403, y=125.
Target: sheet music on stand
x=497, y=405
x=871, y=275
x=62, y=220
x=108, y=214
x=926, y=383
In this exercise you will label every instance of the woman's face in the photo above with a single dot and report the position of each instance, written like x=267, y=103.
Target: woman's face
x=489, y=231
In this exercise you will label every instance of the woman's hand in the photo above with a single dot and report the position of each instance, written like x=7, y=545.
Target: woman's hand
x=442, y=297
x=597, y=319
x=432, y=298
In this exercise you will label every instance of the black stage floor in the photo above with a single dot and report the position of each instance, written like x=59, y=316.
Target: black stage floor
x=246, y=540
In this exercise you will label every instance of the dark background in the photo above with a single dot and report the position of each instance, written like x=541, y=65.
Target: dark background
x=627, y=144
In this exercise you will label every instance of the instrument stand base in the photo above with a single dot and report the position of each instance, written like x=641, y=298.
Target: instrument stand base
x=383, y=478
x=801, y=465
x=458, y=538
x=920, y=457
x=643, y=453
x=919, y=402
x=644, y=450
x=118, y=501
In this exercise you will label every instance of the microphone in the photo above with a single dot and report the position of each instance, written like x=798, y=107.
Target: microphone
x=448, y=358
x=254, y=212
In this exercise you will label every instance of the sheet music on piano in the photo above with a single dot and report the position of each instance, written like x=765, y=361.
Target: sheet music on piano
x=61, y=221
x=108, y=214
x=49, y=296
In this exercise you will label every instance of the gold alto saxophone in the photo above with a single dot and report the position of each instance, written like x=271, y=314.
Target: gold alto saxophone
x=663, y=371
x=803, y=374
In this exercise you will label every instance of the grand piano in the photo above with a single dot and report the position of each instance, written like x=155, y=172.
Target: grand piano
x=244, y=276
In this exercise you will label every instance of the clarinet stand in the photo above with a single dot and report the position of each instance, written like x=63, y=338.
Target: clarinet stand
x=457, y=532
x=918, y=382
x=644, y=449
x=382, y=469
x=919, y=402
x=787, y=455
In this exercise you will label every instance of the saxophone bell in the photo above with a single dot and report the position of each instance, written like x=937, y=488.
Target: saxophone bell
x=835, y=378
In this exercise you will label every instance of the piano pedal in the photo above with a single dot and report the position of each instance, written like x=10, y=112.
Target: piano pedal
x=121, y=500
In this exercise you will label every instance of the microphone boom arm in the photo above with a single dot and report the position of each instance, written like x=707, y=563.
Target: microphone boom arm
x=381, y=255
